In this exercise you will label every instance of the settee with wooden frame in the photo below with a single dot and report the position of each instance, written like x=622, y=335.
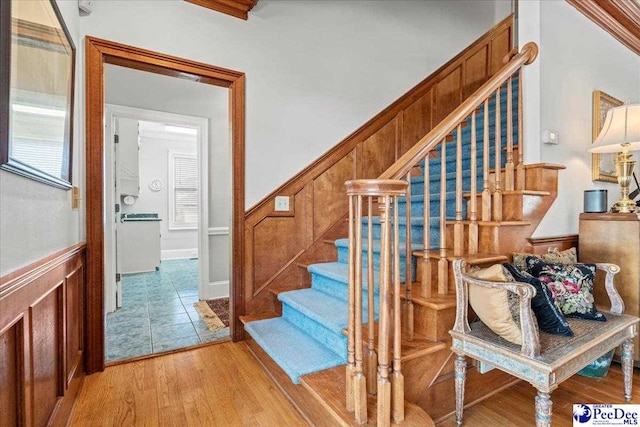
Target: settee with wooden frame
x=544, y=360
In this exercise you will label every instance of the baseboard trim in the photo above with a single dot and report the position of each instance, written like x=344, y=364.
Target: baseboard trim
x=213, y=290
x=179, y=253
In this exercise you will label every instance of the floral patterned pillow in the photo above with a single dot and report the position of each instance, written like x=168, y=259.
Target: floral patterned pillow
x=571, y=286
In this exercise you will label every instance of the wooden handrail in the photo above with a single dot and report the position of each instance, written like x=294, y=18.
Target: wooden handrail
x=404, y=164
x=396, y=319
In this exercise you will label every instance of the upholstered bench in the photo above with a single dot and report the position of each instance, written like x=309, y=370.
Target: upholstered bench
x=544, y=360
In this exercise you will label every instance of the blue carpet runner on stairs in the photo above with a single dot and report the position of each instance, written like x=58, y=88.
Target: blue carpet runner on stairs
x=308, y=337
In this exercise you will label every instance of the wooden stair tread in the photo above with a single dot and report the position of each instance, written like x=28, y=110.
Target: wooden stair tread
x=513, y=192
x=479, y=258
x=435, y=302
x=491, y=223
x=551, y=166
x=258, y=316
x=328, y=387
x=418, y=346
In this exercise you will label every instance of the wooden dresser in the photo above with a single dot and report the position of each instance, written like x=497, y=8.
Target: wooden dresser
x=614, y=238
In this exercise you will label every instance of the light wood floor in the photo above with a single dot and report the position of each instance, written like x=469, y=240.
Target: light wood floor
x=218, y=385
x=223, y=385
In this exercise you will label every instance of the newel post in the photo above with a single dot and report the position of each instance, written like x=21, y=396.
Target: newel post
x=386, y=192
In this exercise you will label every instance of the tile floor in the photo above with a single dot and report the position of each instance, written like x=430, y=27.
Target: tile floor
x=157, y=313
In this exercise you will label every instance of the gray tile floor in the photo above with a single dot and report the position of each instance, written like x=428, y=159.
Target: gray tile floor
x=157, y=313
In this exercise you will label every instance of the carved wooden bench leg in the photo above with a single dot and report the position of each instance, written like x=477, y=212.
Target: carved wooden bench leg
x=460, y=376
x=543, y=409
x=627, y=368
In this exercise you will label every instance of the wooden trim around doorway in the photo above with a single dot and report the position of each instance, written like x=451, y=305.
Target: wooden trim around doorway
x=97, y=53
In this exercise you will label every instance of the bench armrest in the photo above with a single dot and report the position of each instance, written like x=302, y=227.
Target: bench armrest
x=617, y=304
x=530, y=338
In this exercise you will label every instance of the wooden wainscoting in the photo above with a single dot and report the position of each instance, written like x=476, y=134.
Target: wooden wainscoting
x=42, y=312
x=277, y=245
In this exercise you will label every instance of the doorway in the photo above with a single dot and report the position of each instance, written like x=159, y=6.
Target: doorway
x=98, y=53
x=157, y=245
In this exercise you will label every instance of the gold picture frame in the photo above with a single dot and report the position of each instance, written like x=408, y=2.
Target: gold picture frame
x=603, y=165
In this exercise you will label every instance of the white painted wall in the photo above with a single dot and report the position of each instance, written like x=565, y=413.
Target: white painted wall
x=316, y=69
x=36, y=219
x=576, y=57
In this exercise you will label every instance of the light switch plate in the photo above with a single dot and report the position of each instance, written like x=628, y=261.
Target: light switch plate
x=75, y=197
x=282, y=204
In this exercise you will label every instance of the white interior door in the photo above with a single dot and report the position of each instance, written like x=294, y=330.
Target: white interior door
x=112, y=286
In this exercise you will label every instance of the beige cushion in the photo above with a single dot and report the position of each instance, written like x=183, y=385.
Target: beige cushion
x=567, y=256
x=492, y=305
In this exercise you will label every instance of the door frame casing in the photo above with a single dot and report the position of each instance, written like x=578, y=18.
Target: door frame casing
x=113, y=111
x=99, y=52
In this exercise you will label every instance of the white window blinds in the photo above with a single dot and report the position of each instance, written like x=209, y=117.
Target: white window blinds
x=183, y=201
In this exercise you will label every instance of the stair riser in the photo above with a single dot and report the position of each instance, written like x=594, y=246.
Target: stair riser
x=416, y=232
x=339, y=289
x=514, y=206
x=343, y=256
x=335, y=341
x=417, y=208
x=488, y=238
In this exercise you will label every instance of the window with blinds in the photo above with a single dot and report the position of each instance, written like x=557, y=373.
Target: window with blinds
x=183, y=197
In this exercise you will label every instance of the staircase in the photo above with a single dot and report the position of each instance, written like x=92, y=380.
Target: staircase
x=464, y=190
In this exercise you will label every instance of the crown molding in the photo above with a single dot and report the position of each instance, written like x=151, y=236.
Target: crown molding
x=620, y=18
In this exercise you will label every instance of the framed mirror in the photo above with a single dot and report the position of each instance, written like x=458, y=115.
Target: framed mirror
x=37, y=58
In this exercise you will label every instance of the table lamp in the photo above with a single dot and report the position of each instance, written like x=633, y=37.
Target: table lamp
x=621, y=134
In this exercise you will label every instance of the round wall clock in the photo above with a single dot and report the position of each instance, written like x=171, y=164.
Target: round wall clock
x=156, y=185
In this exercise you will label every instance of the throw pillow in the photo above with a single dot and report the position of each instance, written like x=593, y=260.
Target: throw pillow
x=492, y=305
x=550, y=319
x=571, y=286
x=568, y=256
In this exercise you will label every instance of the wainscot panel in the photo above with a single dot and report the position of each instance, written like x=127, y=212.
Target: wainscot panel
x=42, y=339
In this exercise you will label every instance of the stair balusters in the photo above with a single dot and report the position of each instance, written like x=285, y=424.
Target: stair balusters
x=443, y=275
x=408, y=304
x=458, y=229
x=390, y=391
x=371, y=358
x=486, y=192
x=397, y=379
x=386, y=362
x=520, y=166
x=473, y=201
x=425, y=278
x=509, y=169
x=497, y=193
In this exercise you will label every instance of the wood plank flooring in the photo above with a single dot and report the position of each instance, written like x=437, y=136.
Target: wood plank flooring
x=217, y=385
x=223, y=385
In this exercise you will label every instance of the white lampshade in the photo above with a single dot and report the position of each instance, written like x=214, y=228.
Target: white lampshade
x=621, y=126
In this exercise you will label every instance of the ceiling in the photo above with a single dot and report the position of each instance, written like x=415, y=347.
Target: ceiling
x=620, y=18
